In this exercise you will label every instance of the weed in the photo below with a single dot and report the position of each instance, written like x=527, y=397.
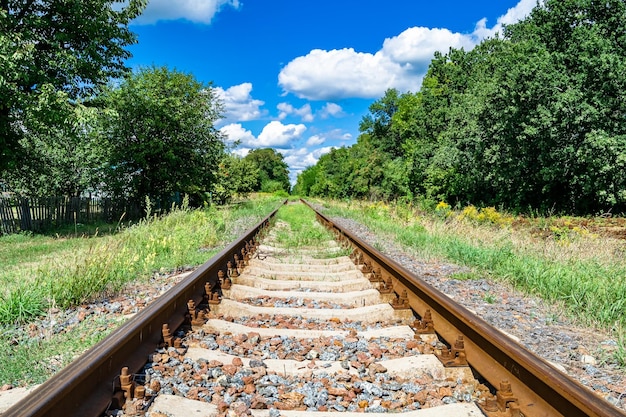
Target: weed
x=620, y=352
x=465, y=276
x=379, y=246
x=489, y=298
x=21, y=305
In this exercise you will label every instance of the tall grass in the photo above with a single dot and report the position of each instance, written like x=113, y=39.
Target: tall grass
x=183, y=238
x=582, y=275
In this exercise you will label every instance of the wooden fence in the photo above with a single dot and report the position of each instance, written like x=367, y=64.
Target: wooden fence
x=38, y=214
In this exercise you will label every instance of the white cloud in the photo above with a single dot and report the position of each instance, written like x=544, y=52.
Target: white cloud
x=518, y=12
x=277, y=134
x=274, y=134
x=401, y=63
x=342, y=73
x=513, y=15
x=197, y=11
x=304, y=112
x=239, y=106
x=300, y=159
x=331, y=109
x=235, y=132
x=241, y=152
x=416, y=46
x=338, y=134
x=315, y=140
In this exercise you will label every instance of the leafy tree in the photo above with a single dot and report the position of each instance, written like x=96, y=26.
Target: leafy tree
x=62, y=154
x=70, y=45
x=535, y=119
x=306, y=180
x=162, y=135
x=378, y=124
x=236, y=177
x=331, y=179
x=273, y=172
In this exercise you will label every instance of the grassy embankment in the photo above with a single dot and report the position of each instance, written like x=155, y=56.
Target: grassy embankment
x=43, y=272
x=571, y=263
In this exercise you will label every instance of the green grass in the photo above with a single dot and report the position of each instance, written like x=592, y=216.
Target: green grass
x=27, y=360
x=296, y=227
x=303, y=229
x=43, y=271
x=592, y=291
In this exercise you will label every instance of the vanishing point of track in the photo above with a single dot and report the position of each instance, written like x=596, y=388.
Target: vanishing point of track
x=522, y=384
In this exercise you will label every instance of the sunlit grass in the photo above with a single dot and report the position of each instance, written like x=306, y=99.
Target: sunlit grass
x=584, y=273
x=64, y=272
x=296, y=228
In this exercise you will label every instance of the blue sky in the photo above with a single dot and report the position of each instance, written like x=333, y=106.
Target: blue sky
x=299, y=75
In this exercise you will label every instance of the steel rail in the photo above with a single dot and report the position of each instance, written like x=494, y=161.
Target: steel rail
x=85, y=387
x=540, y=389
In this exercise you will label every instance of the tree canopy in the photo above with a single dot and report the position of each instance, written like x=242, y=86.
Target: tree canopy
x=272, y=169
x=161, y=134
x=67, y=47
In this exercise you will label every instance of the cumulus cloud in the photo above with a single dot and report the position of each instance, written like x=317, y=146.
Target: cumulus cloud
x=331, y=110
x=234, y=132
x=241, y=152
x=300, y=159
x=277, y=134
x=304, y=112
x=239, y=106
x=415, y=47
x=342, y=73
x=401, y=63
x=274, y=134
x=197, y=11
x=338, y=134
x=315, y=140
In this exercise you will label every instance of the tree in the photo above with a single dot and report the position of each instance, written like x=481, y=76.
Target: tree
x=71, y=45
x=62, y=152
x=162, y=135
x=236, y=177
x=378, y=124
x=306, y=179
x=273, y=172
x=533, y=119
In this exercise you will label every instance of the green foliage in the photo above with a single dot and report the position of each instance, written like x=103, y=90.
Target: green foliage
x=235, y=177
x=306, y=180
x=72, y=46
x=162, y=136
x=62, y=155
x=378, y=124
x=20, y=305
x=273, y=173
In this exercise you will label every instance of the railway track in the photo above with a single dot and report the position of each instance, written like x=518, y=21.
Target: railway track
x=268, y=328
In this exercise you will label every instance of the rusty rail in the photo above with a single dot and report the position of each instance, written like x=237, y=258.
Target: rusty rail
x=536, y=386
x=85, y=388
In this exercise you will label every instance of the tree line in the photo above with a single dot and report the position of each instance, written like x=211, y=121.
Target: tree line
x=531, y=119
x=75, y=120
